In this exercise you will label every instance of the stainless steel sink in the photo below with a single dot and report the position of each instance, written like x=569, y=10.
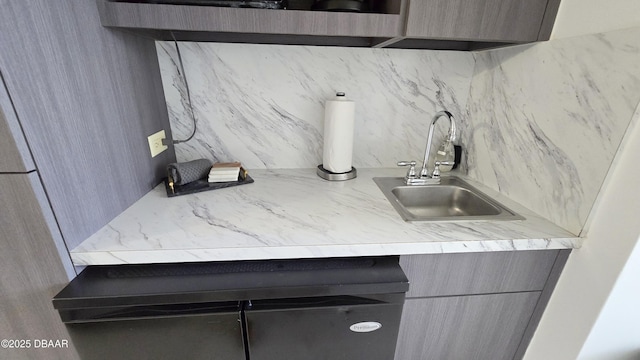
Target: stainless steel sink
x=452, y=200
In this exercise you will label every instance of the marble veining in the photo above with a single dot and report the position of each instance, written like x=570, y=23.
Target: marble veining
x=294, y=214
x=540, y=124
x=545, y=120
x=264, y=104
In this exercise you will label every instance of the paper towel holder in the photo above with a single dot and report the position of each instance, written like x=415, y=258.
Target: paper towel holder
x=331, y=176
x=326, y=156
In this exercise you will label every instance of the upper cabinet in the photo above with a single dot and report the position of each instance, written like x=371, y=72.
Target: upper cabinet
x=429, y=24
x=230, y=24
x=487, y=20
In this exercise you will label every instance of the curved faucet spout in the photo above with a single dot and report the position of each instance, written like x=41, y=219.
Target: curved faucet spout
x=424, y=173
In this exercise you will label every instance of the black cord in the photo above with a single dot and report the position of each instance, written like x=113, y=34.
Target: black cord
x=186, y=85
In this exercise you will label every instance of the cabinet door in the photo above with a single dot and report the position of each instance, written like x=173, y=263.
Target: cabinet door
x=321, y=332
x=485, y=20
x=189, y=337
x=31, y=269
x=16, y=157
x=477, y=273
x=475, y=327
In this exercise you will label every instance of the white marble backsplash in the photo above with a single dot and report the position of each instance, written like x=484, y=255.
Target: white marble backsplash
x=546, y=120
x=264, y=104
x=540, y=123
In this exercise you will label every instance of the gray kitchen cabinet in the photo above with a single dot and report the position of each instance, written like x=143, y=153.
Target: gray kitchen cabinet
x=34, y=266
x=477, y=273
x=16, y=157
x=475, y=305
x=426, y=24
x=209, y=23
x=480, y=327
x=86, y=98
x=511, y=21
x=77, y=102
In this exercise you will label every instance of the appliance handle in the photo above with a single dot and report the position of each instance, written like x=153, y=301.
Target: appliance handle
x=146, y=312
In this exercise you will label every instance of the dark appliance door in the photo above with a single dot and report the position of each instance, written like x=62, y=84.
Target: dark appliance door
x=193, y=331
x=336, y=328
x=195, y=311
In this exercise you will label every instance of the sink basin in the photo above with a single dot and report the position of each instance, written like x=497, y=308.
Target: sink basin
x=452, y=200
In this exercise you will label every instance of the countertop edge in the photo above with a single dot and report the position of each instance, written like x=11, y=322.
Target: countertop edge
x=318, y=251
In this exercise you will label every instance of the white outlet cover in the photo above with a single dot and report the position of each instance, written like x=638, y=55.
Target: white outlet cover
x=155, y=143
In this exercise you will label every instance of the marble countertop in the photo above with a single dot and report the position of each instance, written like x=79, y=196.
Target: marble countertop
x=295, y=214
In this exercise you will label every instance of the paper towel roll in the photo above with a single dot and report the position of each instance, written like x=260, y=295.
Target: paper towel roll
x=338, y=134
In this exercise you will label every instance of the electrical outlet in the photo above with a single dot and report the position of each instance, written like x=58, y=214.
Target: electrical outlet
x=155, y=143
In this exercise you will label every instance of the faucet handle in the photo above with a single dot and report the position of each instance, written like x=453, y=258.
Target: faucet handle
x=411, y=173
x=436, y=170
x=407, y=163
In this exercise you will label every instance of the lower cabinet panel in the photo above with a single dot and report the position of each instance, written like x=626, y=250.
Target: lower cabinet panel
x=477, y=273
x=475, y=327
x=32, y=270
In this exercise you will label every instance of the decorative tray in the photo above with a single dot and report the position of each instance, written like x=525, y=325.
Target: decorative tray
x=203, y=185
